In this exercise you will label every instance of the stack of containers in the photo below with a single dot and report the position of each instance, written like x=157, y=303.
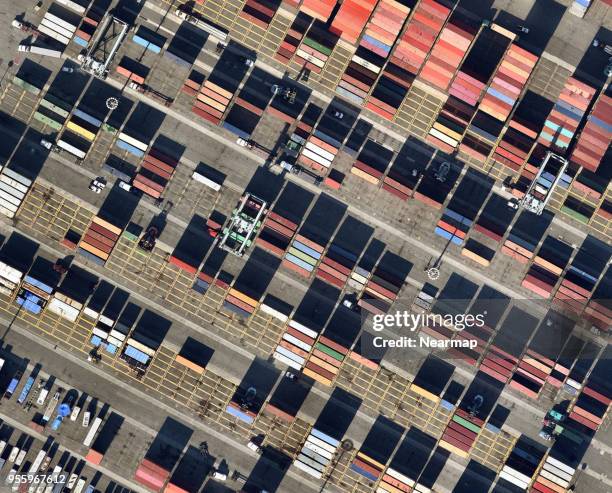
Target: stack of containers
x=325, y=361
x=374, y=49
x=259, y=12
x=212, y=102
x=319, y=9
x=52, y=112
x=595, y=137
x=359, y=278
x=293, y=38
x=478, y=252
x=593, y=402
x=10, y=279
x=394, y=482
x=13, y=189
x=316, y=48
x=372, y=162
x=566, y=115
x=57, y=28
x=99, y=240
x=236, y=409
x=367, y=467
x=516, y=143
x=461, y=433
x=34, y=294
x=553, y=476
x=156, y=171
x=411, y=50
x=317, y=453
x=276, y=233
x=575, y=289
x=240, y=303
x=84, y=125
x=88, y=27
x=125, y=71
x=303, y=255
x=380, y=292
x=500, y=97
x=149, y=40
x=319, y=152
x=193, y=83
x=598, y=311
x=295, y=345
x=151, y=475
x=448, y=52
x=467, y=88
x=131, y=144
x=565, y=362
x=508, y=82
x=520, y=245
x=352, y=17
x=453, y=226
x=64, y=306
x=520, y=466
x=336, y=266
x=547, y=266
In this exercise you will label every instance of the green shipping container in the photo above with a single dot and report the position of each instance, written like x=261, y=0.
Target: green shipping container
x=317, y=46
x=466, y=424
x=330, y=352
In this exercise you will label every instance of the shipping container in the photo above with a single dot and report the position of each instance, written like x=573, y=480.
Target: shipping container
x=594, y=138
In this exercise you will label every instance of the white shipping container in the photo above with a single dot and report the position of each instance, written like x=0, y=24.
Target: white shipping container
x=72, y=5
x=57, y=28
x=61, y=22
x=141, y=347
x=303, y=329
x=320, y=151
x=292, y=356
x=443, y=137
x=37, y=462
x=8, y=205
x=287, y=361
x=275, y=313
x=92, y=432
x=296, y=342
x=70, y=148
x=206, y=181
x=12, y=190
x=91, y=313
x=10, y=199
x=6, y=212
x=321, y=444
x=132, y=141
x=100, y=333
x=62, y=309
x=554, y=478
x=557, y=472
x=306, y=468
x=400, y=477
x=117, y=334
x=52, y=34
x=16, y=176
x=309, y=58
x=316, y=158
x=560, y=465
x=10, y=273
x=14, y=183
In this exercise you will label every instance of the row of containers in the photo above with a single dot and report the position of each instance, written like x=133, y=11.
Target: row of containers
x=565, y=116
x=240, y=303
x=52, y=112
x=149, y=40
x=372, y=162
x=499, y=100
x=79, y=133
x=453, y=226
x=99, y=240
x=55, y=24
x=13, y=189
x=381, y=289
x=337, y=268
x=547, y=267
x=351, y=18
x=468, y=87
x=295, y=345
x=303, y=255
x=317, y=453
x=521, y=465
x=131, y=145
x=592, y=404
x=156, y=171
x=461, y=433
x=211, y=102
x=259, y=12
x=553, y=477
x=130, y=70
x=276, y=233
x=594, y=139
x=374, y=48
x=318, y=151
x=315, y=48
x=88, y=27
